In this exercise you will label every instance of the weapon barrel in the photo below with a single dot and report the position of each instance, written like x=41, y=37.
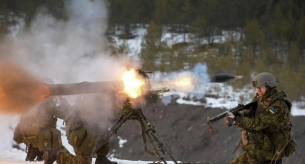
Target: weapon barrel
x=240, y=107
x=222, y=115
x=84, y=88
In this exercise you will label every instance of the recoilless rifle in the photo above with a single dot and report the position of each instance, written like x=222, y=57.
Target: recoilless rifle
x=160, y=148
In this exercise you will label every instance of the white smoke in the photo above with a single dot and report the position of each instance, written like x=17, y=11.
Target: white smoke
x=8, y=122
x=71, y=50
x=198, y=76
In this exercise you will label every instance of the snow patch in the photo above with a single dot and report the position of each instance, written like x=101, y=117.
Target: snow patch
x=121, y=141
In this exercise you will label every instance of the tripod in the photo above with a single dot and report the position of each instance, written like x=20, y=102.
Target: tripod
x=147, y=131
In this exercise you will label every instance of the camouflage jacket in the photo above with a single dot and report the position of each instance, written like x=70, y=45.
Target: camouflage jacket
x=267, y=127
x=272, y=114
x=42, y=116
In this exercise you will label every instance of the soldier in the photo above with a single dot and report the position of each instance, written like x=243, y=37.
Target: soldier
x=266, y=130
x=37, y=130
x=83, y=132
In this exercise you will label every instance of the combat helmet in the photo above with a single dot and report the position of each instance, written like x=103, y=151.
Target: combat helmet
x=264, y=79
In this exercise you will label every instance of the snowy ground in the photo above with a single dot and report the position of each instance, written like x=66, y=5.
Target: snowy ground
x=17, y=157
x=229, y=99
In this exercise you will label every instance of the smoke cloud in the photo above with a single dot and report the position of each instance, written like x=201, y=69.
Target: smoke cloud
x=66, y=51
x=71, y=50
x=8, y=122
x=198, y=78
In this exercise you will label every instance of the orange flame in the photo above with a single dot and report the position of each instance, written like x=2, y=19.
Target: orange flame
x=184, y=82
x=19, y=89
x=133, y=83
x=43, y=91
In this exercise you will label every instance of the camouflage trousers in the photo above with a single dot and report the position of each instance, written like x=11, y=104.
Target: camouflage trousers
x=252, y=155
x=65, y=157
x=245, y=159
x=31, y=140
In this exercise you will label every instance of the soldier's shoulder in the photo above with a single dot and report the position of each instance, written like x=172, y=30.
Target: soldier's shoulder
x=279, y=102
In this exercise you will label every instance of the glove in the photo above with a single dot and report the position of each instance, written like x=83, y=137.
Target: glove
x=229, y=119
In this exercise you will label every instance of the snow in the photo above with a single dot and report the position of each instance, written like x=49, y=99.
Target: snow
x=121, y=141
x=230, y=98
x=7, y=123
x=64, y=140
x=295, y=111
x=133, y=44
x=13, y=156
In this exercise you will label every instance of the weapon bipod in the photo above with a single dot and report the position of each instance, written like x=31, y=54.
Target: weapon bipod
x=147, y=130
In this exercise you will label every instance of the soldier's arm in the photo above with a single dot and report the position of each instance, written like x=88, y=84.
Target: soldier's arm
x=248, y=112
x=270, y=117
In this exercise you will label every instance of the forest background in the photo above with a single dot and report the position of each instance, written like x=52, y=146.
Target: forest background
x=240, y=37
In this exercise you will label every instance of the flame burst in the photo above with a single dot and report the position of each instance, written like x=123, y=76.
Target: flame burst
x=183, y=82
x=133, y=83
x=43, y=91
x=19, y=90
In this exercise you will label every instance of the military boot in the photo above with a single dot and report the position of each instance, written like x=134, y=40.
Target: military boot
x=39, y=156
x=49, y=155
x=103, y=160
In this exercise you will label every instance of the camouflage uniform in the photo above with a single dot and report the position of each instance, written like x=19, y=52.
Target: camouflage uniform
x=266, y=130
x=80, y=157
x=83, y=134
x=37, y=128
